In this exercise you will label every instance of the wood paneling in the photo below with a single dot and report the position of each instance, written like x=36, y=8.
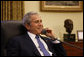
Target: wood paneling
x=73, y=51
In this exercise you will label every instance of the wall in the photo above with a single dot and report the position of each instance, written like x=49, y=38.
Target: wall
x=55, y=20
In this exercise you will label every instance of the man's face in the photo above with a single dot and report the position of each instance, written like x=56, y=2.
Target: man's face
x=36, y=25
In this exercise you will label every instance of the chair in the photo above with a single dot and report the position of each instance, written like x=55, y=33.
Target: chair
x=10, y=29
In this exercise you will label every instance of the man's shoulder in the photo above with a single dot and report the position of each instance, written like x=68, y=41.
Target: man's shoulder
x=18, y=37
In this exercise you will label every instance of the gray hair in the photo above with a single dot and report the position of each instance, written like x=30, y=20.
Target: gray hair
x=27, y=18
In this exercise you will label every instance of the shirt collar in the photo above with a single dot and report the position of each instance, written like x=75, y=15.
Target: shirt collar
x=31, y=35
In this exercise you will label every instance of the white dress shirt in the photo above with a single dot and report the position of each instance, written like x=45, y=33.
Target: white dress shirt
x=32, y=36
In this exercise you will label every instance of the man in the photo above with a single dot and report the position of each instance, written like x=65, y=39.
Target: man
x=32, y=44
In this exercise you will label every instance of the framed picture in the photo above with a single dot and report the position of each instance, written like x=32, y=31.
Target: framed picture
x=80, y=35
x=61, y=6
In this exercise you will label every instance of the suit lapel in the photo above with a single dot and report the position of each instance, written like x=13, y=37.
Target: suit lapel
x=45, y=39
x=33, y=47
x=49, y=43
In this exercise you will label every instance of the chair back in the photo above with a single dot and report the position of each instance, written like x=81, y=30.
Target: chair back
x=10, y=29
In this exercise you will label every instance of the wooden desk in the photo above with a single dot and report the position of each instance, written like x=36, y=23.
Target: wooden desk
x=72, y=51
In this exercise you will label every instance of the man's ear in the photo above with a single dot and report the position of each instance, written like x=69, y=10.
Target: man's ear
x=27, y=26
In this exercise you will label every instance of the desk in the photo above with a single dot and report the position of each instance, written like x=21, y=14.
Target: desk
x=72, y=51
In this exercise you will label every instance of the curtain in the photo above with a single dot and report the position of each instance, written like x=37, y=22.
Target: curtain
x=12, y=10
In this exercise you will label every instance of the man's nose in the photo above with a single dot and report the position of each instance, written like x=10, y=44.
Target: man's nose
x=40, y=23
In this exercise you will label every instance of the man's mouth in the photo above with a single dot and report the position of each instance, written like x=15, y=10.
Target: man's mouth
x=39, y=28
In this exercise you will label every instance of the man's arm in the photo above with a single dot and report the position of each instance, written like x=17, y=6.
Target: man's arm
x=57, y=45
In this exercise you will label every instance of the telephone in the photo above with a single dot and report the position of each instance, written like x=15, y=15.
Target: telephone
x=44, y=31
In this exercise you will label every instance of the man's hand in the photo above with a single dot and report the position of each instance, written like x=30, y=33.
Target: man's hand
x=49, y=33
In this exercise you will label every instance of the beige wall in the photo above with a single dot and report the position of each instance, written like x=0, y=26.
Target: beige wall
x=55, y=20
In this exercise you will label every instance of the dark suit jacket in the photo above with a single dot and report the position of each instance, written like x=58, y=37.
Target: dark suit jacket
x=23, y=46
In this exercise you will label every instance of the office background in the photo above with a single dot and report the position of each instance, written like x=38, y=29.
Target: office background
x=52, y=20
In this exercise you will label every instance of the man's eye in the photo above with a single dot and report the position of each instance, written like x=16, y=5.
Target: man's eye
x=36, y=21
x=41, y=21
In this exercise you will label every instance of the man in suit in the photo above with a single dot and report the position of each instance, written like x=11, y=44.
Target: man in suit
x=29, y=45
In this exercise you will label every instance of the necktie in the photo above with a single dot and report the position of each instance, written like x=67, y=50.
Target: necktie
x=45, y=52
